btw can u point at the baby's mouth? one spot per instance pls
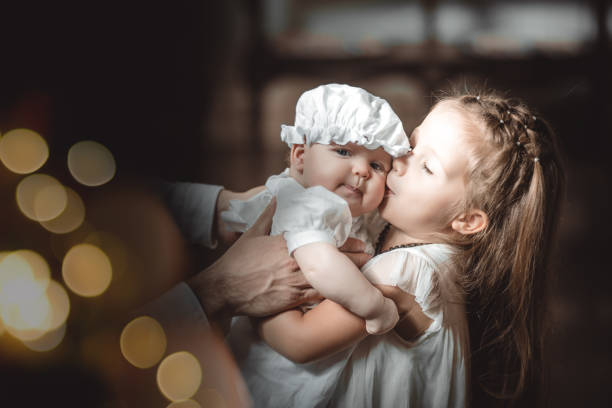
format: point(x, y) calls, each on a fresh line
point(352, 189)
point(388, 191)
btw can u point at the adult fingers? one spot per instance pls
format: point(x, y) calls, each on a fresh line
point(264, 222)
point(310, 295)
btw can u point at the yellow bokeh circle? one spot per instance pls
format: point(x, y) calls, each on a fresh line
point(179, 376)
point(185, 404)
point(23, 151)
point(86, 270)
point(59, 303)
point(27, 320)
point(47, 341)
point(24, 277)
point(211, 398)
point(143, 342)
point(91, 163)
point(71, 218)
point(41, 197)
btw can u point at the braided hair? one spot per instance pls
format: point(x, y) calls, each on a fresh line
point(516, 177)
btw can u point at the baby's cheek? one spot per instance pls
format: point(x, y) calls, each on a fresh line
point(379, 190)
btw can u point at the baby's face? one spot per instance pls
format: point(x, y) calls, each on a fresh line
point(353, 172)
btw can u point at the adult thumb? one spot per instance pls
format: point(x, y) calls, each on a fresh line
point(264, 223)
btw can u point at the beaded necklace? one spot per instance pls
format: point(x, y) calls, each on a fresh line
point(381, 239)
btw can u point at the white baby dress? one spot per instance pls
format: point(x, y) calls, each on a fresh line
point(304, 215)
point(379, 371)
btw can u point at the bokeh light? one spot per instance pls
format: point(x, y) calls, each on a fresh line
point(185, 404)
point(179, 376)
point(38, 265)
point(23, 151)
point(41, 197)
point(143, 342)
point(24, 277)
point(90, 163)
point(87, 270)
point(31, 304)
point(211, 398)
point(23, 308)
point(47, 341)
point(59, 303)
point(27, 320)
point(71, 218)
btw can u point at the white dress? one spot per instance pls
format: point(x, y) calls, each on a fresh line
point(304, 215)
point(379, 371)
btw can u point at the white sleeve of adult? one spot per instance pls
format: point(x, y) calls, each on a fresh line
point(193, 207)
point(177, 309)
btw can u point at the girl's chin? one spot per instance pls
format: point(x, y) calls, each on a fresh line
point(381, 209)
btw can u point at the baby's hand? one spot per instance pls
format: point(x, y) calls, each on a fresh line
point(385, 320)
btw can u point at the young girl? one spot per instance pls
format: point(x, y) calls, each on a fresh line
point(341, 149)
point(471, 211)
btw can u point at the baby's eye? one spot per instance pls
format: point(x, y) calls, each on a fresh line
point(343, 152)
point(378, 167)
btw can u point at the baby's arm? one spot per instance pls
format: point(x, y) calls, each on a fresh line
point(335, 277)
point(329, 327)
point(322, 331)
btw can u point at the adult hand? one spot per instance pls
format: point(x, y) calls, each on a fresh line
point(255, 277)
point(353, 248)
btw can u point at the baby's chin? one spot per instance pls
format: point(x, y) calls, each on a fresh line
point(356, 210)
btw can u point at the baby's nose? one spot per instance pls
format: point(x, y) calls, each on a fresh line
point(361, 168)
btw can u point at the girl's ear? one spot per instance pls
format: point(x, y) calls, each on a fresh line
point(297, 157)
point(471, 222)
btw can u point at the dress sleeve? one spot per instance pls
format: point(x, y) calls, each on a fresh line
point(241, 215)
point(415, 273)
point(314, 215)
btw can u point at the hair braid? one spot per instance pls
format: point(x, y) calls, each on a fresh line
point(515, 177)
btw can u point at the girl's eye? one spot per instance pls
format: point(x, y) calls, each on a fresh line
point(343, 152)
point(426, 169)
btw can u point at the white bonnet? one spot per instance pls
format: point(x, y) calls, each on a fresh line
point(342, 114)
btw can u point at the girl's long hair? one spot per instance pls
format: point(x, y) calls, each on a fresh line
point(516, 177)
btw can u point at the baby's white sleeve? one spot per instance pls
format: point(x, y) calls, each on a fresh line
point(241, 215)
point(314, 215)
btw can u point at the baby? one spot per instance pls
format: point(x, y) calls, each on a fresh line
point(342, 145)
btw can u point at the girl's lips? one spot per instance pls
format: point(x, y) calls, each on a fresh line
point(388, 192)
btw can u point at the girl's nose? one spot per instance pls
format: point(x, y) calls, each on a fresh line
point(400, 164)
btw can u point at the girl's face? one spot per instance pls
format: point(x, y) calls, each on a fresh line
point(353, 172)
point(425, 186)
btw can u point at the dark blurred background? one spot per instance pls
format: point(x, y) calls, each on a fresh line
point(197, 90)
